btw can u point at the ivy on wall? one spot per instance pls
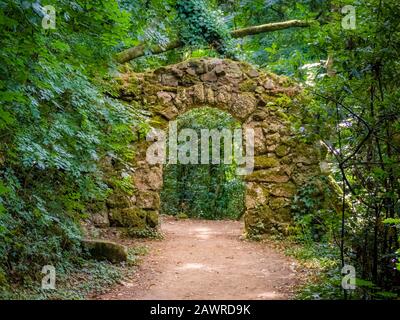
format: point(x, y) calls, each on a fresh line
point(201, 26)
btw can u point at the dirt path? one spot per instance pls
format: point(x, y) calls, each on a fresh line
point(200, 259)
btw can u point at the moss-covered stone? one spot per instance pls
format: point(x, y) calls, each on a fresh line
point(119, 200)
point(248, 85)
point(278, 202)
point(286, 190)
point(306, 160)
point(128, 217)
point(286, 160)
point(159, 121)
point(256, 195)
point(274, 128)
point(249, 69)
point(300, 178)
point(133, 87)
point(282, 115)
point(243, 105)
point(267, 221)
point(275, 175)
point(265, 162)
point(256, 223)
point(152, 218)
point(150, 89)
point(290, 141)
point(282, 150)
point(148, 200)
point(336, 196)
point(283, 214)
point(188, 79)
point(272, 138)
point(106, 250)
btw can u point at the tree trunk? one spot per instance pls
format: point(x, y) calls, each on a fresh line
point(269, 27)
point(140, 50)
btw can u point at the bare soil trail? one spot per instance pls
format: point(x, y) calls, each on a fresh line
point(202, 259)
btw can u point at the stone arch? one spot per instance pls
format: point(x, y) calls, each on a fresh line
point(259, 100)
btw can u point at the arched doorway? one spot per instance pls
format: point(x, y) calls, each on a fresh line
point(265, 103)
point(209, 188)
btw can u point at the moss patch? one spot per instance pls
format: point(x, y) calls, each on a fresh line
point(248, 85)
point(268, 175)
point(129, 217)
point(265, 162)
point(286, 190)
point(152, 218)
point(282, 150)
point(106, 250)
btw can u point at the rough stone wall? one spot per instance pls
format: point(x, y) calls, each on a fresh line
point(264, 102)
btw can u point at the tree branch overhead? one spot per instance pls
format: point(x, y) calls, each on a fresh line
point(140, 50)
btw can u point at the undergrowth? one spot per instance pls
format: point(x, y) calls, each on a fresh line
point(78, 281)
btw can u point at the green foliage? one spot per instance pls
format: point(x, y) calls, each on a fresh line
point(73, 282)
point(356, 115)
point(313, 221)
point(135, 254)
point(360, 106)
point(355, 112)
point(202, 26)
point(56, 125)
point(146, 233)
point(321, 259)
point(211, 191)
point(124, 184)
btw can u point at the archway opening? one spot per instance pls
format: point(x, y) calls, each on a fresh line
point(207, 190)
point(280, 160)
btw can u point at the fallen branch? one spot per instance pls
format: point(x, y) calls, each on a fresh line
point(269, 27)
point(140, 50)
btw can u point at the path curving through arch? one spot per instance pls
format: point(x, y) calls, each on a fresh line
point(203, 259)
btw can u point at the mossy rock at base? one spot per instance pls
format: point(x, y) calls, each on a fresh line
point(129, 217)
point(265, 220)
point(119, 201)
point(152, 219)
point(106, 250)
point(257, 220)
point(257, 226)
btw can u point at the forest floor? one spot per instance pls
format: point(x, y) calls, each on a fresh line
point(203, 259)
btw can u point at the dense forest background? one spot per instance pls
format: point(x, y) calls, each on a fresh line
point(58, 119)
point(211, 191)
